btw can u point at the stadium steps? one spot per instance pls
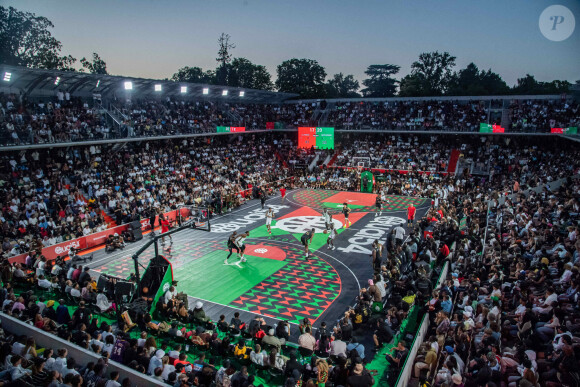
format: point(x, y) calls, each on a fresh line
point(453, 159)
point(337, 152)
point(506, 118)
point(108, 219)
point(280, 159)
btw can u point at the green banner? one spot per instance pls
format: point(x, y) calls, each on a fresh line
point(223, 129)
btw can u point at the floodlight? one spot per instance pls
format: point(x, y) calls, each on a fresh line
point(224, 92)
point(128, 85)
point(7, 76)
point(57, 81)
point(158, 87)
point(98, 83)
point(183, 89)
point(242, 93)
point(205, 91)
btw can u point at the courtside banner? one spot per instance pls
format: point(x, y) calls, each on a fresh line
point(570, 130)
point(488, 128)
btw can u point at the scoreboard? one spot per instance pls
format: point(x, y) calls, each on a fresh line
point(230, 129)
point(319, 138)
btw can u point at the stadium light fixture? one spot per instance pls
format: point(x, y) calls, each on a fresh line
point(242, 93)
point(183, 89)
point(7, 76)
point(57, 81)
point(128, 85)
point(205, 91)
point(158, 87)
point(98, 83)
point(224, 93)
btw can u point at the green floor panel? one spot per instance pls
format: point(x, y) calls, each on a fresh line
point(262, 231)
point(229, 281)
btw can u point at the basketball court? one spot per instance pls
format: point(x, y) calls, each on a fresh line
point(276, 282)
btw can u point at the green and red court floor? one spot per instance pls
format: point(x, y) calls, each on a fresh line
point(277, 282)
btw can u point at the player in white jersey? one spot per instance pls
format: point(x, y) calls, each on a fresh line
point(327, 218)
point(269, 216)
point(331, 236)
point(240, 243)
point(384, 201)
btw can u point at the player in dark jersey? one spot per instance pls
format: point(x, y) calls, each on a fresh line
point(379, 205)
point(263, 197)
point(306, 239)
point(232, 246)
point(346, 212)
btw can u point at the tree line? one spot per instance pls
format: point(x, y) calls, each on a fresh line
point(26, 40)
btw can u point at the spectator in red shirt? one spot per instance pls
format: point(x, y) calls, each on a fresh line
point(411, 215)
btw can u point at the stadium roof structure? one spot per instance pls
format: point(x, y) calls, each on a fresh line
point(42, 82)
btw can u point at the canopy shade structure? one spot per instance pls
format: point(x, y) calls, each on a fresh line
point(42, 82)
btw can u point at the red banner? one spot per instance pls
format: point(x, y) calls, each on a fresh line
point(90, 241)
point(497, 129)
point(270, 125)
point(234, 129)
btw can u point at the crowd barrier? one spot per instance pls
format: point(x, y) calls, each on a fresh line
point(400, 171)
point(81, 355)
point(99, 238)
point(90, 241)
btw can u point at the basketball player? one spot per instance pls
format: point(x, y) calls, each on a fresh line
point(327, 218)
point(263, 197)
point(240, 243)
point(152, 216)
point(411, 215)
point(331, 236)
point(306, 239)
point(346, 212)
point(283, 193)
point(269, 216)
point(379, 205)
point(232, 246)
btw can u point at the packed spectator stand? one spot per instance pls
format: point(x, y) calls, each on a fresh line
point(528, 256)
point(70, 119)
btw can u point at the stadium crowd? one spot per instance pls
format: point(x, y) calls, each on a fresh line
point(67, 118)
point(528, 264)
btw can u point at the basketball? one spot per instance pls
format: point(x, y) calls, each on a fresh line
point(325, 231)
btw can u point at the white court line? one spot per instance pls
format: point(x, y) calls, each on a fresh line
point(242, 310)
point(130, 252)
point(253, 205)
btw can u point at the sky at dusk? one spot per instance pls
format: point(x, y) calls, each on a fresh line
point(154, 38)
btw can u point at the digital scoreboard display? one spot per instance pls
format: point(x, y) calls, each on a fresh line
point(230, 129)
point(317, 138)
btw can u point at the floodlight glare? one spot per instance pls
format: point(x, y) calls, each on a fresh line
point(183, 89)
point(157, 87)
point(7, 77)
point(57, 81)
point(242, 93)
point(205, 91)
point(128, 85)
point(224, 93)
point(98, 83)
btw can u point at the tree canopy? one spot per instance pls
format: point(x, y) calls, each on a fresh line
point(380, 82)
point(26, 40)
point(96, 66)
point(243, 73)
point(471, 81)
point(302, 76)
point(194, 75)
point(341, 86)
point(432, 73)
